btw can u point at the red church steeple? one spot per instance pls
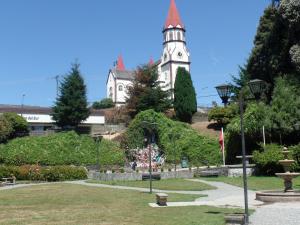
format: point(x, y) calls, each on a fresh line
point(173, 18)
point(120, 63)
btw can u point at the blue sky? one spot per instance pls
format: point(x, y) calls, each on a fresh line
point(40, 39)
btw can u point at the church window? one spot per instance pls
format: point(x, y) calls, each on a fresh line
point(165, 37)
point(120, 88)
point(110, 92)
point(179, 35)
point(165, 56)
point(166, 76)
point(171, 36)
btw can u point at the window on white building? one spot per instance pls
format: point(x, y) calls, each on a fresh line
point(166, 76)
point(171, 36)
point(120, 88)
point(179, 35)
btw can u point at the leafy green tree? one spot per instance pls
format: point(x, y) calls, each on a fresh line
point(18, 123)
point(222, 115)
point(270, 55)
point(71, 105)
point(104, 104)
point(5, 129)
point(285, 106)
point(185, 102)
point(146, 92)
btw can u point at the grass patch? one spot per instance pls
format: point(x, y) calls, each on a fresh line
point(256, 183)
point(168, 184)
point(65, 204)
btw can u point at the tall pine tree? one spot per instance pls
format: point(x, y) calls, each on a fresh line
point(185, 102)
point(71, 105)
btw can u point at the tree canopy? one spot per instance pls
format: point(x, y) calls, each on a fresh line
point(146, 92)
point(71, 107)
point(185, 102)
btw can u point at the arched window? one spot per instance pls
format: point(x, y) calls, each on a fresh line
point(171, 36)
point(179, 35)
point(120, 88)
point(110, 93)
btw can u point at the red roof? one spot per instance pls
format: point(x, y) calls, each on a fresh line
point(120, 64)
point(151, 62)
point(173, 18)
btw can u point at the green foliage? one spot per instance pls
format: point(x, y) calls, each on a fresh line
point(285, 106)
point(146, 92)
point(270, 55)
point(185, 102)
point(200, 150)
point(38, 173)
point(110, 154)
point(5, 129)
point(59, 149)
point(255, 117)
point(18, 123)
point(104, 104)
point(296, 156)
point(267, 160)
point(222, 115)
point(71, 106)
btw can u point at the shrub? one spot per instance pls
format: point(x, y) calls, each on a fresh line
point(105, 103)
point(198, 149)
point(267, 160)
point(5, 129)
point(59, 149)
point(38, 173)
point(222, 115)
point(295, 150)
point(18, 123)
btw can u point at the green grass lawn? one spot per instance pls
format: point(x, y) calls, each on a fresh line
point(65, 204)
point(169, 184)
point(256, 183)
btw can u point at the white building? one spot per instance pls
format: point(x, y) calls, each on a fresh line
point(175, 54)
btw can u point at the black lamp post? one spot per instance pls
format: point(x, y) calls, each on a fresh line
point(224, 91)
point(149, 128)
point(98, 138)
point(256, 87)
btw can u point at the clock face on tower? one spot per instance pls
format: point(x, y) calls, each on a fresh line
point(179, 54)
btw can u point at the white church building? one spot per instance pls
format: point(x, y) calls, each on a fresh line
point(175, 54)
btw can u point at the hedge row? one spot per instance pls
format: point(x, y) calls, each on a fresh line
point(38, 173)
point(66, 148)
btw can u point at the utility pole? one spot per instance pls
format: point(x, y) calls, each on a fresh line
point(57, 83)
point(22, 104)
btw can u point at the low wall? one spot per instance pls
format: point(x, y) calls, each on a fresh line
point(186, 174)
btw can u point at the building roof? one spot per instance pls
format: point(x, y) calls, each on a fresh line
point(173, 18)
point(37, 110)
point(120, 63)
point(123, 74)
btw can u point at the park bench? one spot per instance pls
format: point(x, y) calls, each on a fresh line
point(161, 199)
point(9, 180)
point(155, 176)
point(209, 173)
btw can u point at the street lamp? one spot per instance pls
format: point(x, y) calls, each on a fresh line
point(149, 128)
point(224, 91)
point(256, 87)
point(98, 138)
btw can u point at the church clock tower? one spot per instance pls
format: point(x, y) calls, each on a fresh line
point(175, 53)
